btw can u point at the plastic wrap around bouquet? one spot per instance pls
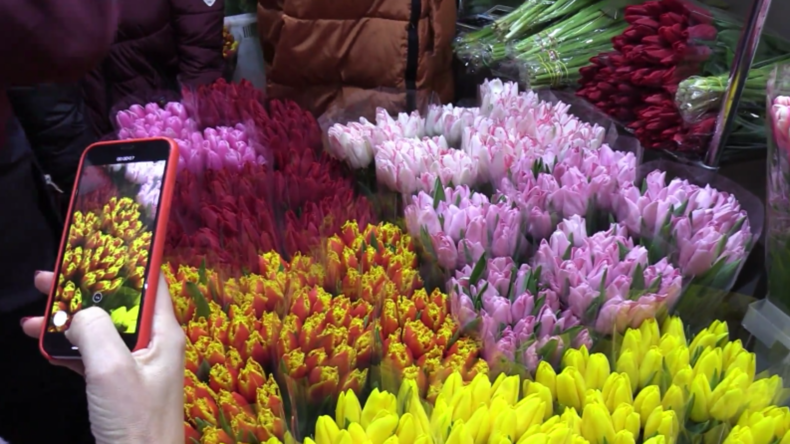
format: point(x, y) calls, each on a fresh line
point(478, 308)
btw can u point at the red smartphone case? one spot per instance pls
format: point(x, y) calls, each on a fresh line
point(157, 249)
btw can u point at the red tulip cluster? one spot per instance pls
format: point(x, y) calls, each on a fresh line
point(228, 218)
point(636, 83)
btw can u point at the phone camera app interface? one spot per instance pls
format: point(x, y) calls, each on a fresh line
point(106, 252)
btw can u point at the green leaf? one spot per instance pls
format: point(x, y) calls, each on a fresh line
point(538, 305)
point(203, 370)
point(471, 327)
point(513, 275)
point(438, 193)
point(687, 410)
point(622, 250)
point(697, 428)
point(202, 309)
point(638, 279)
point(549, 348)
point(477, 272)
point(374, 242)
point(425, 238)
point(738, 225)
point(202, 278)
point(644, 187)
point(567, 254)
point(595, 306)
point(201, 424)
point(679, 211)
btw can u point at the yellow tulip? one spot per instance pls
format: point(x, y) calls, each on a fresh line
point(572, 419)
point(391, 440)
point(505, 425)
point(646, 401)
point(536, 388)
point(407, 430)
point(597, 425)
point(345, 438)
point(669, 343)
point(507, 388)
point(763, 428)
point(782, 415)
point(441, 418)
point(626, 418)
point(326, 430)
point(744, 361)
point(451, 385)
point(529, 412)
point(407, 392)
point(739, 435)
point(624, 437)
point(576, 358)
point(727, 398)
point(650, 333)
point(559, 434)
point(382, 427)
point(460, 434)
point(417, 411)
point(700, 390)
point(673, 326)
point(479, 425)
point(617, 390)
point(656, 440)
point(664, 423)
point(570, 388)
point(632, 341)
point(719, 327)
point(308, 441)
point(629, 364)
point(423, 439)
point(481, 390)
point(785, 439)
point(593, 397)
point(548, 425)
point(763, 392)
point(676, 359)
point(683, 377)
point(578, 439)
point(651, 368)
point(710, 364)
point(597, 371)
point(537, 438)
point(378, 401)
point(495, 410)
point(357, 433)
point(462, 404)
point(532, 431)
point(674, 399)
point(546, 376)
point(348, 409)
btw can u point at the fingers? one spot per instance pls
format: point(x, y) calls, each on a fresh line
point(166, 329)
point(43, 281)
point(102, 349)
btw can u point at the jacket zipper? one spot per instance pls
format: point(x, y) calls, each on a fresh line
point(412, 55)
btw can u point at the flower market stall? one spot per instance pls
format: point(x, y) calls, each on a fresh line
point(511, 272)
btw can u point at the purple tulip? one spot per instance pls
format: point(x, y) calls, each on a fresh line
point(446, 253)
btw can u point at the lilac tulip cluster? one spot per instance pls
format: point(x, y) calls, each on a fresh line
point(710, 231)
point(517, 321)
point(212, 148)
point(149, 176)
point(461, 226)
point(605, 279)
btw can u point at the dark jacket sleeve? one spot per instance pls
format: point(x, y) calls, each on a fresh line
point(53, 118)
point(198, 29)
point(53, 40)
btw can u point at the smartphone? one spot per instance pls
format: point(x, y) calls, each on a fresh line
point(111, 249)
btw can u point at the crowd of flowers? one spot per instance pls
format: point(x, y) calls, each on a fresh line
point(521, 240)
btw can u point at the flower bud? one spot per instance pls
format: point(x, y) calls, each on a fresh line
point(646, 401)
point(597, 371)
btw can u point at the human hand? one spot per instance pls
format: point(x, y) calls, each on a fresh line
point(132, 397)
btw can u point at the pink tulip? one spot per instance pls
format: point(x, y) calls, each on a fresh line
point(498, 308)
point(447, 255)
point(522, 306)
point(580, 298)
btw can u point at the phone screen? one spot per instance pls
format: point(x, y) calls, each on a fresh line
point(106, 254)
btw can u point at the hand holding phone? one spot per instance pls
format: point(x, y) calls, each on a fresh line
point(112, 244)
point(132, 396)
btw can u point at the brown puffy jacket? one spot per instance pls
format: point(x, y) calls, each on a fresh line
point(318, 52)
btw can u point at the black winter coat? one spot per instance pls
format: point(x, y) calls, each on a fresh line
point(46, 140)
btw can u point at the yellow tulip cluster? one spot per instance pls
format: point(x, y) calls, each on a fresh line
point(660, 388)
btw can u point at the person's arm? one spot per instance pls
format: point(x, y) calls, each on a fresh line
point(198, 29)
point(53, 117)
point(53, 40)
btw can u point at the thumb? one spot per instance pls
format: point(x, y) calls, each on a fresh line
point(102, 349)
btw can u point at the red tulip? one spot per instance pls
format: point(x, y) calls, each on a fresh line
point(190, 434)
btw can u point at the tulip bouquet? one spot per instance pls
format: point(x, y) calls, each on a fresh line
point(212, 148)
point(778, 196)
point(656, 390)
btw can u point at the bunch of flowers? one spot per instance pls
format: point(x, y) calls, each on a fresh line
point(106, 253)
point(460, 226)
point(709, 228)
point(229, 44)
point(657, 390)
point(224, 104)
point(636, 83)
point(778, 195)
point(212, 148)
point(228, 395)
point(606, 278)
point(285, 128)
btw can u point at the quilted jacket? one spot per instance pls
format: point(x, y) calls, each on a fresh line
point(320, 52)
